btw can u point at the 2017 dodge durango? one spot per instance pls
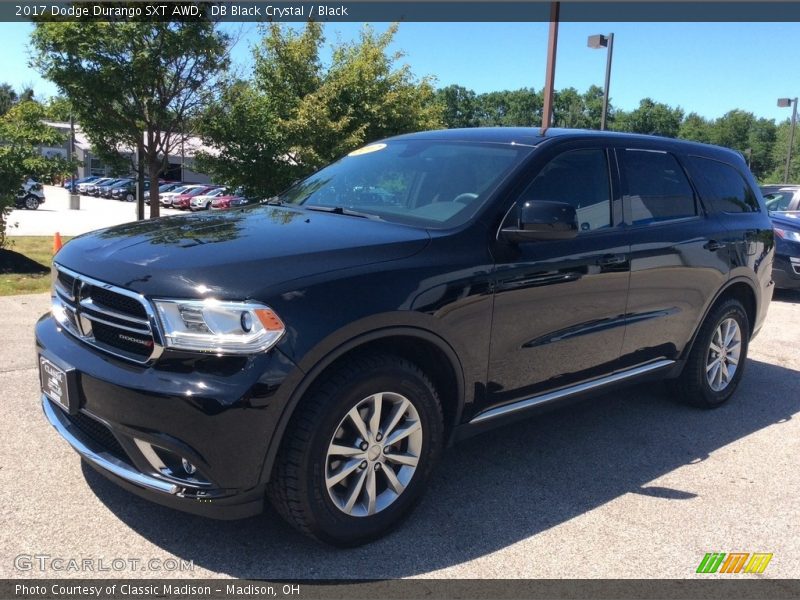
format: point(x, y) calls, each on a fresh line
point(322, 348)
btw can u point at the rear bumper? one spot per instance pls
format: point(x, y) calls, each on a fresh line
point(134, 424)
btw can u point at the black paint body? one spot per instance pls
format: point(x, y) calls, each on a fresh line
point(509, 320)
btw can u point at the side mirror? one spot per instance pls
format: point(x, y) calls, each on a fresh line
point(539, 221)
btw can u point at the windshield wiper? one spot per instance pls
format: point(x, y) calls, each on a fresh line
point(274, 201)
point(340, 210)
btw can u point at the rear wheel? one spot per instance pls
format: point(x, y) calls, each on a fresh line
point(356, 456)
point(31, 202)
point(129, 197)
point(716, 362)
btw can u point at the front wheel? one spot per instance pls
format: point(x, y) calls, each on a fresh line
point(31, 202)
point(356, 456)
point(716, 362)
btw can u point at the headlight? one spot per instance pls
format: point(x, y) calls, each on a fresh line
point(787, 234)
point(218, 326)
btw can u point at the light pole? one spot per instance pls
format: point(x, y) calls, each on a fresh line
point(602, 41)
point(784, 103)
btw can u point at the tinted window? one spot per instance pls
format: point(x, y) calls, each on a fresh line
point(723, 186)
point(579, 178)
point(657, 187)
point(419, 182)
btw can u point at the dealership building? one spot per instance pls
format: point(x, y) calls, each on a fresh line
point(181, 165)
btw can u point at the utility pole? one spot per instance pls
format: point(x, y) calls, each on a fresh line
point(550, 73)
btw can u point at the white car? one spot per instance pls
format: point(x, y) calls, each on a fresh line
point(166, 198)
point(203, 202)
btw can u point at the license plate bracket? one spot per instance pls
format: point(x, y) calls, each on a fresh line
point(59, 383)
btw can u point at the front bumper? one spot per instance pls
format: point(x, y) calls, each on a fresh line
point(786, 271)
point(134, 423)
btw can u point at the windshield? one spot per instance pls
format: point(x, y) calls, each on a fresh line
point(417, 182)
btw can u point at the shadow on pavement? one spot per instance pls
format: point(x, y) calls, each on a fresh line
point(491, 491)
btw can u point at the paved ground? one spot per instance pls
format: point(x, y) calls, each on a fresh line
point(627, 485)
point(55, 215)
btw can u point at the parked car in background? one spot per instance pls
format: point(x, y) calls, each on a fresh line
point(30, 195)
point(99, 190)
point(478, 276)
point(108, 191)
point(783, 203)
point(182, 201)
point(786, 269)
point(88, 188)
point(166, 198)
point(203, 201)
point(91, 178)
point(781, 198)
point(227, 202)
point(127, 192)
point(165, 187)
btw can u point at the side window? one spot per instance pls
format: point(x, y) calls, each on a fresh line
point(657, 188)
point(579, 178)
point(723, 186)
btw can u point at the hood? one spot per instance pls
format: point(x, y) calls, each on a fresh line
point(241, 254)
point(785, 220)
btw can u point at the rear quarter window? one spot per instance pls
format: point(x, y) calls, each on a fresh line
point(722, 186)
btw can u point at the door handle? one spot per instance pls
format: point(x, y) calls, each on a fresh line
point(609, 260)
point(713, 245)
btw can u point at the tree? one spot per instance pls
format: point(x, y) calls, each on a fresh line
point(303, 114)
point(8, 98)
point(21, 133)
point(510, 108)
point(695, 128)
point(652, 118)
point(460, 106)
point(134, 86)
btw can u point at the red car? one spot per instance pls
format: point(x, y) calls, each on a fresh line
point(182, 201)
point(225, 202)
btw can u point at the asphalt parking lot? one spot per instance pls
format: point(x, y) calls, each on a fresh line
point(55, 215)
point(629, 485)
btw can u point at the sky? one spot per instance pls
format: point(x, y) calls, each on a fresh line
point(708, 68)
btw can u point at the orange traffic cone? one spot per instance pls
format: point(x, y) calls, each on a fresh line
point(57, 242)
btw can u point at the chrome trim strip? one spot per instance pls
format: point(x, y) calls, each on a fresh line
point(568, 391)
point(90, 304)
point(98, 458)
point(97, 319)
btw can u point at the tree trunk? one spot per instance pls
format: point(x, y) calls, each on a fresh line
point(154, 167)
point(140, 180)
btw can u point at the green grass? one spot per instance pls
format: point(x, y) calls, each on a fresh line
point(25, 265)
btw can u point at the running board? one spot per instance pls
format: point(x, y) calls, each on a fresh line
point(568, 391)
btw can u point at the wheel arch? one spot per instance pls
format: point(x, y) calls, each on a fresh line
point(426, 349)
point(739, 288)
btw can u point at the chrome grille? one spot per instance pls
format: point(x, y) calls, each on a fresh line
point(112, 319)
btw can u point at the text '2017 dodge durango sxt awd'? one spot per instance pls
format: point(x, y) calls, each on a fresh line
point(320, 349)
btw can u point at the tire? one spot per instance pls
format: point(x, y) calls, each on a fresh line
point(129, 197)
point(31, 202)
point(307, 457)
point(700, 383)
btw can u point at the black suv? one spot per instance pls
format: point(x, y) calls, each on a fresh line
point(320, 349)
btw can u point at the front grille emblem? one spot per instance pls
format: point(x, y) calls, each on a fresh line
point(82, 292)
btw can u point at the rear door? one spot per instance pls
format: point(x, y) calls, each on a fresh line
point(679, 255)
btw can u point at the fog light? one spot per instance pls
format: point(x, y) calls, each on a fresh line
point(188, 467)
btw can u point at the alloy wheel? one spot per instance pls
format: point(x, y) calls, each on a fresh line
point(373, 454)
point(723, 354)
